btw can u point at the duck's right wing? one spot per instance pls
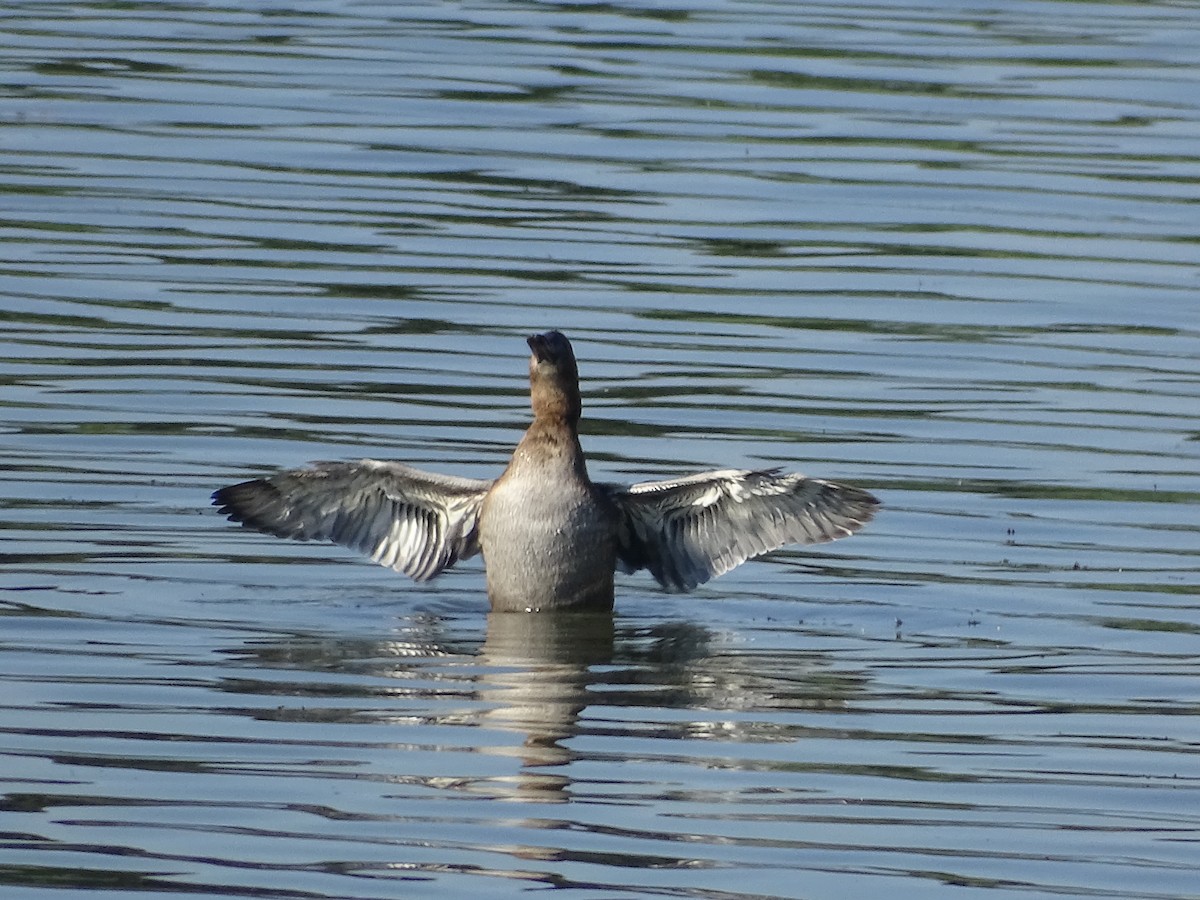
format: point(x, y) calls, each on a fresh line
point(412, 521)
point(689, 530)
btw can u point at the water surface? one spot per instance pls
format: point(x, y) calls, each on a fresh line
point(945, 252)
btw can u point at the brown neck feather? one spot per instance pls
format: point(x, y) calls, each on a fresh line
point(554, 394)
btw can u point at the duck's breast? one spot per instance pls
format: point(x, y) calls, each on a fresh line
point(548, 544)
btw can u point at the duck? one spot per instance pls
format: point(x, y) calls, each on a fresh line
point(551, 538)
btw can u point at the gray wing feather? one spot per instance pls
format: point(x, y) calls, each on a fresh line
point(412, 521)
point(689, 530)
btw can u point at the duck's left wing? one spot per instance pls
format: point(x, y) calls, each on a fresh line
point(410, 520)
point(689, 530)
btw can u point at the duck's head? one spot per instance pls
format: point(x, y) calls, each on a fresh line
point(553, 377)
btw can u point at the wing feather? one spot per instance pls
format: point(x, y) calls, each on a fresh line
point(688, 530)
point(409, 520)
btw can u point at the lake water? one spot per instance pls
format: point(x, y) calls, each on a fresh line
point(949, 252)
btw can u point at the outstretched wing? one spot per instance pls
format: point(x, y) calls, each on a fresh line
point(689, 530)
point(412, 521)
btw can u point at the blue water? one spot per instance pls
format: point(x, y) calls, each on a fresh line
point(943, 252)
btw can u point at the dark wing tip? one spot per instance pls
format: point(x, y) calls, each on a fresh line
point(253, 504)
point(227, 500)
point(855, 502)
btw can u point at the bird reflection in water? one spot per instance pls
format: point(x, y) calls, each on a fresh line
point(535, 677)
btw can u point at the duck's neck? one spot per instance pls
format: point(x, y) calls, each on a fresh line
point(554, 401)
point(550, 448)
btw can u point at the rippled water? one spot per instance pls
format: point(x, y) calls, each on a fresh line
point(945, 252)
